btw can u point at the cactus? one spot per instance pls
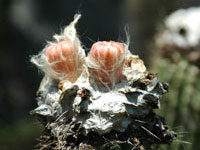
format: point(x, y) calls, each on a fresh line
point(106, 101)
point(181, 106)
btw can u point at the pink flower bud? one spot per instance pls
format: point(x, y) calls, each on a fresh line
point(62, 57)
point(106, 59)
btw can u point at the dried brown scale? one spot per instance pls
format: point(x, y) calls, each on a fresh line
point(156, 132)
point(151, 122)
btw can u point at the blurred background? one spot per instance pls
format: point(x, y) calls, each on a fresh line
point(26, 25)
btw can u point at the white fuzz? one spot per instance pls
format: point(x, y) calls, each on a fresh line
point(181, 29)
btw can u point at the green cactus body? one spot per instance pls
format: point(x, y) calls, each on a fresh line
point(181, 106)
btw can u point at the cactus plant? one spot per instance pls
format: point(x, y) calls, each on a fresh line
point(79, 112)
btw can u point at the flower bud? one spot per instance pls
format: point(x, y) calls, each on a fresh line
point(64, 58)
point(106, 60)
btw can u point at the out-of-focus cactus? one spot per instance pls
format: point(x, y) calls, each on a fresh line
point(179, 45)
